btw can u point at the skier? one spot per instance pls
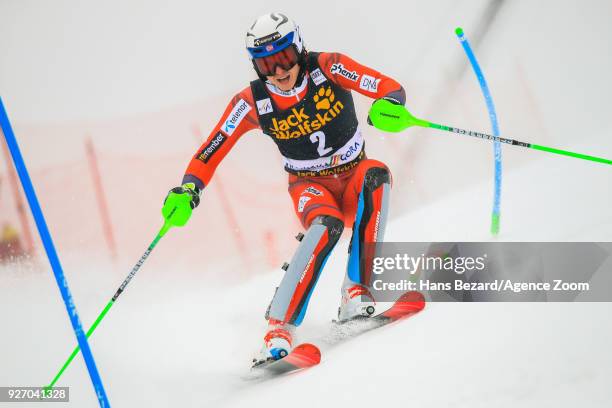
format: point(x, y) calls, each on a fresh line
point(303, 101)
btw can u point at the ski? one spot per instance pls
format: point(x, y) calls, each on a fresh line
point(302, 356)
point(405, 306)
point(306, 355)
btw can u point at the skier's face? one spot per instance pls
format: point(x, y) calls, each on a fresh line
point(285, 79)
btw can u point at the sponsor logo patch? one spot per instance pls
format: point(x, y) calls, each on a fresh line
point(312, 257)
point(324, 98)
point(297, 123)
point(235, 116)
point(317, 77)
point(352, 151)
point(211, 147)
point(369, 83)
point(267, 39)
point(376, 226)
point(302, 203)
point(332, 166)
point(264, 106)
point(313, 191)
point(329, 171)
point(338, 69)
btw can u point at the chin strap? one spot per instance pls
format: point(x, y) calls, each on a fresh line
point(302, 64)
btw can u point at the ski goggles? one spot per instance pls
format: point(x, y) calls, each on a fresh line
point(285, 58)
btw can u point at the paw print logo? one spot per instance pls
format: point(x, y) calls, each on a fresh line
point(324, 98)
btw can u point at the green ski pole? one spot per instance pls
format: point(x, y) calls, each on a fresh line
point(395, 118)
point(176, 217)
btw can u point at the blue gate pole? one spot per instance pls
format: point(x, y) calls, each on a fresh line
point(45, 236)
point(497, 154)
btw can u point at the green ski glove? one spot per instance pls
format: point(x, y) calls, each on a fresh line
point(386, 98)
point(179, 204)
point(392, 117)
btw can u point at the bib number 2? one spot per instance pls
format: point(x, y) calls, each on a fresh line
point(319, 137)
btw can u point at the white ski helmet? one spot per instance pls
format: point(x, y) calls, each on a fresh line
point(272, 33)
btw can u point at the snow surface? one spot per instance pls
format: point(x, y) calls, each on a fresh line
point(186, 328)
point(175, 342)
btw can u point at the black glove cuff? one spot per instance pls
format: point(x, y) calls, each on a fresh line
point(194, 194)
point(195, 201)
point(392, 100)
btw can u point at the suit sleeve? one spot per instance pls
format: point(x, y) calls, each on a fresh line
point(238, 118)
point(350, 74)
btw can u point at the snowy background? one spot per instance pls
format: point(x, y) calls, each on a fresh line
point(146, 80)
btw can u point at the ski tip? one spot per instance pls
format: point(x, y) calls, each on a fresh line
point(459, 31)
point(407, 304)
point(414, 297)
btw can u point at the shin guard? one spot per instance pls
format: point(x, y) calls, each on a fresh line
point(291, 298)
point(369, 226)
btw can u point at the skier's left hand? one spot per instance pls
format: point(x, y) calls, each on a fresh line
point(386, 98)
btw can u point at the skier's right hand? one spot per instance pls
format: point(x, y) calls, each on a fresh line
point(179, 204)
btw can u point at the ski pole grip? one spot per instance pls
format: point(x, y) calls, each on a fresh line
point(165, 228)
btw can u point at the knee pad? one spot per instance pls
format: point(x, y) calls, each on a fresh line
point(375, 177)
point(334, 226)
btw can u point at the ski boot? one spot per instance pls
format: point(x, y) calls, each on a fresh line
point(278, 341)
point(356, 302)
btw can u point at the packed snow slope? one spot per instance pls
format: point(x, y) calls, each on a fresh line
point(180, 339)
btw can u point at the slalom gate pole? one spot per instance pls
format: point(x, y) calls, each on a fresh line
point(105, 218)
point(396, 118)
point(497, 153)
point(21, 211)
point(56, 266)
point(127, 280)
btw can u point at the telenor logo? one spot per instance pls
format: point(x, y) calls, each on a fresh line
point(235, 117)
